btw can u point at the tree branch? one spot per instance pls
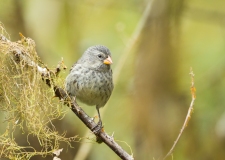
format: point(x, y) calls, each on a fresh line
point(89, 122)
point(22, 54)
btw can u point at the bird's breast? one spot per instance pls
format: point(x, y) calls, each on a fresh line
point(93, 87)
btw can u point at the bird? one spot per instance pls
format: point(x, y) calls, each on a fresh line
point(91, 79)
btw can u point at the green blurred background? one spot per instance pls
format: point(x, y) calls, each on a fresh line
point(152, 89)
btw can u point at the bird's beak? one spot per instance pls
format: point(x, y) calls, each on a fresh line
point(108, 60)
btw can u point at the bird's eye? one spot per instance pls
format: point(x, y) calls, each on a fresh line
point(99, 56)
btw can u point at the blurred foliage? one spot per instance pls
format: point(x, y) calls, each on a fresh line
point(151, 98)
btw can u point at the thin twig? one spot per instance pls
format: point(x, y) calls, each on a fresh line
point(188, 117)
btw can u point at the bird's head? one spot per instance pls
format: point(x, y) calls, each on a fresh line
point(97, 57)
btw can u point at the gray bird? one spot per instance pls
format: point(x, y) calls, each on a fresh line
point(90, 79)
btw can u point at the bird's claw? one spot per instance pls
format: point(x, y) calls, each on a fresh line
point(98, 128)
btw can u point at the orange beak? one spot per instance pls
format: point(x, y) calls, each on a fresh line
point(108, 60)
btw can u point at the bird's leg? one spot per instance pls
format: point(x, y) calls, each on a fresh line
point(98, 127)
point(99, 116)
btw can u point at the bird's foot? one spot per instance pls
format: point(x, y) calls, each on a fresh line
point(98, 128)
